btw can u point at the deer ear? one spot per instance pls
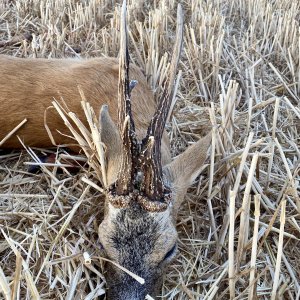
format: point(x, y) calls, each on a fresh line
point(184, 169)
point(110, 136)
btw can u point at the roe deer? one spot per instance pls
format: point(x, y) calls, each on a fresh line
point(142, 197)
point(144, 188)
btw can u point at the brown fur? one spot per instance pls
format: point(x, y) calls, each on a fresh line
point(28, 86)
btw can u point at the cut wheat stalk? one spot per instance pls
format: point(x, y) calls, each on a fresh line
point(4, 284)
point(231, 256)
point(28, 277)
point(12, 132)
point(279, 251)
point(254, 248)
point(244, 216)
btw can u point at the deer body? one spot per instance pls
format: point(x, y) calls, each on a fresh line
point(28, 87)
point(144, 189)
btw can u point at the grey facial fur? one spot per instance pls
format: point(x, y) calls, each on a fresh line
point(137, 240)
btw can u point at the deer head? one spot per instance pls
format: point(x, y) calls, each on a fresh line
point(142, 196)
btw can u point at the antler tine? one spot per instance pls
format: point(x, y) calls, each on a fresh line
point(126, 124)
point(151, 152)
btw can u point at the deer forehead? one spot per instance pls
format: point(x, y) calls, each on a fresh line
point(142, 235)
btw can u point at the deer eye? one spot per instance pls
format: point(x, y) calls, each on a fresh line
point(171, 252)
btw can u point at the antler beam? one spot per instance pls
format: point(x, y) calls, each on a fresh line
point(126, 123)
point(150, 161)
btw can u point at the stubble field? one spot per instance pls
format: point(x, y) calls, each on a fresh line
point(239, 74)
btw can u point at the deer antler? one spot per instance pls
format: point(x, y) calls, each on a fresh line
point(148, 189)
point(126, 123)
point(150, 158)
point(124, 183)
